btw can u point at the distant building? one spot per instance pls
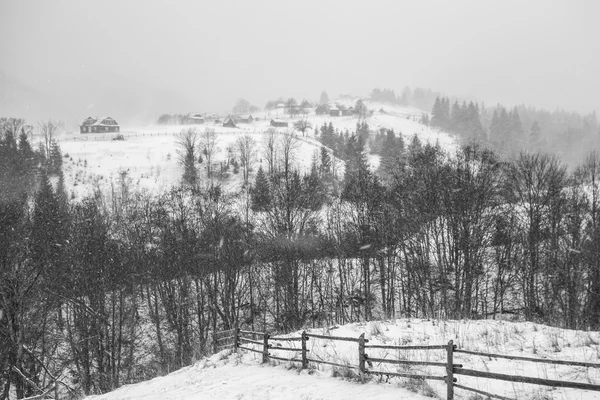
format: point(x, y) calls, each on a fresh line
point(244, 119)
point(99, 125)
point(279, 123)
point(335, 112)
point(229, 122)
point(348, 111)
point(196, 118)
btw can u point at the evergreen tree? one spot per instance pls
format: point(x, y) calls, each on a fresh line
point(392, 156)
point(325, 166)
point(475, 128)
point(535, 136)
point(361, 109)
point(26, 152)
point(187, 151)
point(49, 234)
point(261, 196)
point(54, 165)
point(324, 98)
point(517, 139)
point(436, 113)
point(440, 114)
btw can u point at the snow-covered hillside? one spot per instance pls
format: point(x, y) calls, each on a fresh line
point(147, 158)
point(232, 376)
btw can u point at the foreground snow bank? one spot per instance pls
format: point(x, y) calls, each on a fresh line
point(241, 376)
point(234, 376)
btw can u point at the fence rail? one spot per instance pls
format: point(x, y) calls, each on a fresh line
point(537, 360)
point(239, 337)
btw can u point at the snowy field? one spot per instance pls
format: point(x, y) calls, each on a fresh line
point(147, 159)
point(241, 376)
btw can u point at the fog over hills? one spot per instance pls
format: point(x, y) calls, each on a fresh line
point(73, 98)
point(133, 59)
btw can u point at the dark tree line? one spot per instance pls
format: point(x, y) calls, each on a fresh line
point(111, 290)
point(418, 97)
point(510, 131)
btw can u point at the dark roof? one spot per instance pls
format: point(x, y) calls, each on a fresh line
point(99, 121)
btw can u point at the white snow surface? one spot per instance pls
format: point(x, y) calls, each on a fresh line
point(230, 376)
point(241, 376)
point(147, 159)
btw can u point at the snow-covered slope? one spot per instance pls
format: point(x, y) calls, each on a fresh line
point(147, 158)
point(231, 376)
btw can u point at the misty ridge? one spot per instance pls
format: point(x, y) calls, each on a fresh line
point(165, 176)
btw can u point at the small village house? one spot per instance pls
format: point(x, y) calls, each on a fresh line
point(196, 118)
point(230, 123)
point(335, 112)
point(348, 111)
point(99, 125)
point(244, 119)
point(279, 123)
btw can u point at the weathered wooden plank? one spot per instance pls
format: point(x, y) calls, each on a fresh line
point(532, 359)
point(284, 339)
point(224, 332)
point(527, 379)
point(339, 338)
point(450, 371)
point(243, 339)
point(381, 346)
point(407, 362)
point(287, 348)
point(224, 338)
point(481, 392)
point(284, 359)
point(252, 333)
point(403, 375)
point(250, 349)
point(332, 363)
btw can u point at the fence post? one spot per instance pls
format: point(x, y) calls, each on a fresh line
point(304, 357)
point(213, 335)
point(265, 355)
point(450, 371)
point(361, 356)
point(236, 339)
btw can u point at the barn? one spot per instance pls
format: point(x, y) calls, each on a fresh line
point(229, 122)
point(279, 123)
point(99, 125)
point(244, 119)
point(196, 118)
point(348, 111)
point(335, 112)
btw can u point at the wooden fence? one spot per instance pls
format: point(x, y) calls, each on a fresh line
point(50, 393)
point(263, 342)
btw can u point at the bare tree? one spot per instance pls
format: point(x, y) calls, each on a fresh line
point(245, 147)
point(187, 149)
point(209, 145)
point(288, 145)
point(12, 126)
point(270, 149)
point(48, 130)
point(534, 182)
point(302, 125)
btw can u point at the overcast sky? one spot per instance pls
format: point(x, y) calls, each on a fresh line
point(544, 53)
